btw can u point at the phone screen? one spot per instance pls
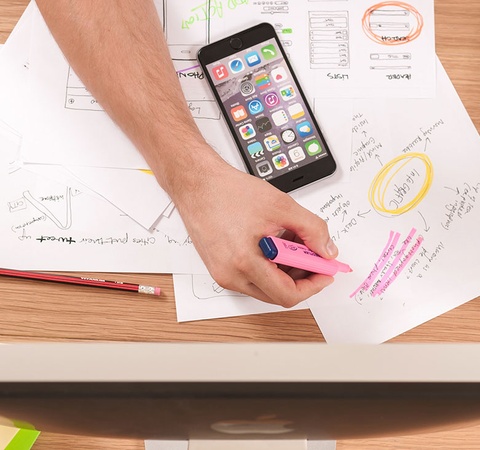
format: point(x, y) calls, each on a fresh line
point(267, 112)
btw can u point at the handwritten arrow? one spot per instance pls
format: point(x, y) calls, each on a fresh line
point(426, 227)
point(362, 215)
point(344, 215)
point(456, 190)
point(427, 141)
point(378, 158)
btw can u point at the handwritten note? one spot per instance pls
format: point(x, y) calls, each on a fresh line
point(407, 223)
point(47, 224)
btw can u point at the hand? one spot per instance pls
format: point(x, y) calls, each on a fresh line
point(227, 212)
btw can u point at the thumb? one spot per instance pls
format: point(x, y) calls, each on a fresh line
point(310, 229)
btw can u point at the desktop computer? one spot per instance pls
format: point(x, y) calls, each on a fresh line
point(250, 392)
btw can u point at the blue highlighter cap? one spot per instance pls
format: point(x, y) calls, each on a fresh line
point(268, 248)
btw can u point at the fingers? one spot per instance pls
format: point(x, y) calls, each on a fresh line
point(311, 229)
point(270, 284)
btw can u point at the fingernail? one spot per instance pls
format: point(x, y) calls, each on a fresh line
point(331, 248)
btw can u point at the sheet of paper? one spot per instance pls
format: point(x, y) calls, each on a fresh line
point(14, 61)
point(76, 132)
point(407, 223)
point(60, 130)
point(341, 48)
point(48, 225)
point(199, 297)
point(134, 192)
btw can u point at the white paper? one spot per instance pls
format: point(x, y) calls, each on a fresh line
point(58, 133)
point(134, 192)
point(199, 297)
point(344, 48)
point(71, 129)
point(414, 244)
point(14, 61)
point(49, 225)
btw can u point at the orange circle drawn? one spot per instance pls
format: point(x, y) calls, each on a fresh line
point(414, 33)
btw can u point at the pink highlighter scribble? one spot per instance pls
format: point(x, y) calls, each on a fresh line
point(380, 264)
point(395, 267)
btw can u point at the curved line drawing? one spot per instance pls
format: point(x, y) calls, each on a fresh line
point(383, 180)
point(408, 30)
point(205, 288)
point(44, 210)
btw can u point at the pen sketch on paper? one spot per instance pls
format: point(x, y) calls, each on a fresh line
point(77, 96)
point(41, 206)
point(392, 23)
point(329, 33)
point(205, 288)
point(411, 210)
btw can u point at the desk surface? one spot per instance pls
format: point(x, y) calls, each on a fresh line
point(33, 311)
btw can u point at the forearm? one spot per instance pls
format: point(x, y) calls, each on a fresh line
point(118, 50)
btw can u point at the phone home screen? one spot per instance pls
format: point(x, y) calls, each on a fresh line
point(266, 111)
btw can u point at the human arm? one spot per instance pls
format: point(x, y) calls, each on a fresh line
point(118, 49)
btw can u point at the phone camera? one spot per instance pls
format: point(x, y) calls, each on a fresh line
point(236, 43)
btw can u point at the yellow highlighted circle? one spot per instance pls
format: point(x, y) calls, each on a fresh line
point(384, 179)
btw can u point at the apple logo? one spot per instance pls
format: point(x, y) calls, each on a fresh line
point(260, 425)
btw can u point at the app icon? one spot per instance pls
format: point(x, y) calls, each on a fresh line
point(304, 129)
point(255, 107)
point(239, 113)
point(296, 111)
point(236, 65)
point(288, 93)
point(264, 168)
point(262, 81)
point(263, 124)
point(271, 99)
point(272, 143)
point(296, 154)
point(280, 161)
point(255, 150)
point(252, 59)
point(246, 88)
point(280, 118)
point(269, 51)
point(247, 132)
point(313, 147)
point(279, 74)
point(288, 136)
point(220, 72)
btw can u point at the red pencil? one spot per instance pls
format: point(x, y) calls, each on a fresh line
point(84, 281)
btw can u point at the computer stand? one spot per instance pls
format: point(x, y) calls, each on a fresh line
point(241, 444)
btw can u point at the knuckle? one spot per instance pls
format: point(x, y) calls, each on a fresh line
point(222, 278)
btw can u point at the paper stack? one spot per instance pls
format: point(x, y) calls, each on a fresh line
point(78, 196)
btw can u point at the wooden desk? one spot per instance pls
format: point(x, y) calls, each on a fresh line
point(32, 311)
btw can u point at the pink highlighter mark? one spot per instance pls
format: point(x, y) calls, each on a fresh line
point(397, 268)
point(381, 286)
point(380, 264)
point(386, 270)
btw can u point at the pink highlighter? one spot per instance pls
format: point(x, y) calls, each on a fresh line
point(296, 255)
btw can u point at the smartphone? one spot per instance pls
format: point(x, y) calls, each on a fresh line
point(265, 108)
